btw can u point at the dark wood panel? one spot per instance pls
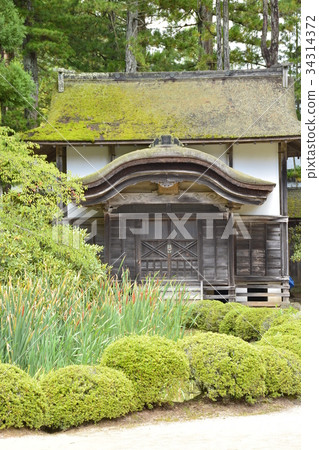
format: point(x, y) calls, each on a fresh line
point(262, 254)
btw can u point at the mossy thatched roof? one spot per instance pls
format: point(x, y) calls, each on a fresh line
point(107, 107)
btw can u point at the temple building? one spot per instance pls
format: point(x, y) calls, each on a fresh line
point(185, 174)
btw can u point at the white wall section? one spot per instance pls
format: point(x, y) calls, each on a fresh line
point(261, 161)
point(83, 161)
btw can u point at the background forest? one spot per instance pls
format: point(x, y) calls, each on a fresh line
point(37, 36)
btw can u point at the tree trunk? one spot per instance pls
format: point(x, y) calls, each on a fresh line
point(226, 35)
point(270, 55)
point(205, 15)
point(274, 32)
point(219, 36)
point(131, 35)
point(30, 64)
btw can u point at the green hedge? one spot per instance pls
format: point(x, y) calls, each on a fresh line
point(227, 325)
point(22, 403)
point(291, 328)
point(281, 316)
point(249, 322)
point(225, 366)
point(156, 366)
point(78, 394)
point(283, 341)
point(283, 372)
point(206, 315)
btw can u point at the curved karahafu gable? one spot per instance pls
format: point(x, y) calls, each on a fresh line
point(209, 105)
point(172, 164)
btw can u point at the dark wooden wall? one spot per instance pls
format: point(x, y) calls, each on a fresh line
point(259, 258)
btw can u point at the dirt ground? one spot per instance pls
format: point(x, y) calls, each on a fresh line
point(198, 424)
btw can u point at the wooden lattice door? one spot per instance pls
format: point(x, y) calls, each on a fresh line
point(169, 258)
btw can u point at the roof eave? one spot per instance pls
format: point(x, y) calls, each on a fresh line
point(183, 141)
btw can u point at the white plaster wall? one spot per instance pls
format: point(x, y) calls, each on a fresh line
point(82, 161)
point(123, 149)
point(261, 161)
point(219, 150)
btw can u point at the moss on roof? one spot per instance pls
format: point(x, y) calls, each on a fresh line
point(160, 151)
point(194, 108)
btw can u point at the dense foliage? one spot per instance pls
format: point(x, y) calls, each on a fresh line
point(225, 366)
point(79, 394)
point(44, 326)
point(249, 322)
point(157, 367)
point(282, 341)
point(22, 402)
point(32, 240)
point(295, 242)
point(206, 315)
point(283, 372)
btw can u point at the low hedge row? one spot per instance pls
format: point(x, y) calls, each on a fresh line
point(78, 394)
point(283, 342)
point(238, 320)
point(22, 402)
point(283, 371)
point(155, 364)
point(225, 366)
point(206, 315)
point(139, 371)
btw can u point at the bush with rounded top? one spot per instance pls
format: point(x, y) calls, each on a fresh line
point(78, 394)
point(282, 341)
point(247, 324)
point(279, 317)
point(207, 314)
point(292, 328)
point(22, 402)
point(227, 325)
point(225, 366)
point(156, 366)
point(283, 371)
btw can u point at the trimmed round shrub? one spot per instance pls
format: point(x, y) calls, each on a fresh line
point(225, 366)
point(22, 402)
point(156, 365)
point(227, 325)
point(291, 327)
point(282, 341)
point(248, 322)
point(279, 317)
point(78, 394)
point(283, 372)
point(207, 314)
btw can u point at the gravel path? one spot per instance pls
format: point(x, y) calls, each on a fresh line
point(275, 431)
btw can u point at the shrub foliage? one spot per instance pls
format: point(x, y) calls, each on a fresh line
point(227, 325)
point(156, 366)
point(284, 342)
point(22, 403)
point(225, 366)
point(283, 372)
point(249, 321)
point(207, 314)
point(78, 394)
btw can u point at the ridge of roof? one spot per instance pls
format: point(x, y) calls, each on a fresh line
point(70, 75)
